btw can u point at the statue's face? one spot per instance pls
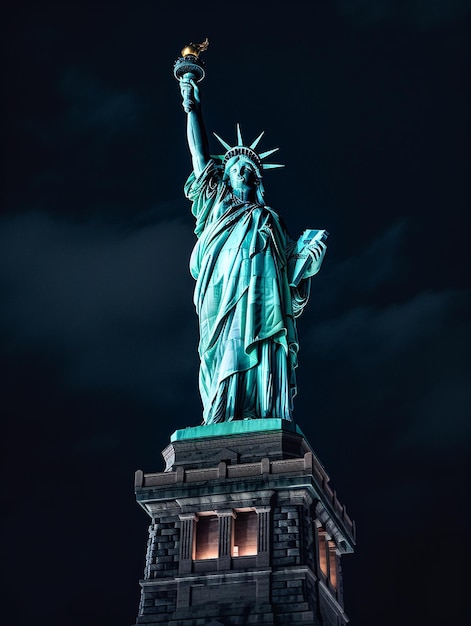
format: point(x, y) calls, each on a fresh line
point(241, 174)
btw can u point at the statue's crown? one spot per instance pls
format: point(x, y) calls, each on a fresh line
point(247, 151)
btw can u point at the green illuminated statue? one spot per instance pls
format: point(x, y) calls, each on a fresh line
point(252, 279)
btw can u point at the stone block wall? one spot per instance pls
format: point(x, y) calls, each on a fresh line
point(159, 589)
point(282, 583)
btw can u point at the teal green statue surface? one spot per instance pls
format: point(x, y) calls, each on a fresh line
point(252, 279)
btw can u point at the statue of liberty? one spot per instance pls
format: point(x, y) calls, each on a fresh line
point(252, 279)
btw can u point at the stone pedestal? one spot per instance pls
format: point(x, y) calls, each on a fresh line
point(244, 530)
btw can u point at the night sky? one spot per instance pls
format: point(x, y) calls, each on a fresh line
point(368, 101)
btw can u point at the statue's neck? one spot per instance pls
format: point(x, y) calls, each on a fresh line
point(245, 195)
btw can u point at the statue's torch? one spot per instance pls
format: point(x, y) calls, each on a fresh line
point(190, 67)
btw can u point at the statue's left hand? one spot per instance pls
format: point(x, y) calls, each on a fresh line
point(317, 251)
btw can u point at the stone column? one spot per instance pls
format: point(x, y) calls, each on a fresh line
point(187, 542)
point(225, 538)
point(263, 552)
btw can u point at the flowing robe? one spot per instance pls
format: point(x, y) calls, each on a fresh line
point(248, 341)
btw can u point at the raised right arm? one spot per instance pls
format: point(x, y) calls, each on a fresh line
point(196, 132)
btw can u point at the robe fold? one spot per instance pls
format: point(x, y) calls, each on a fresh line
point(248, 341)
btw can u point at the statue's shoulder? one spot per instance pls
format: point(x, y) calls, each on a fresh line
point(208, 180)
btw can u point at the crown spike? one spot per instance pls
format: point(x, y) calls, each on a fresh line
point(222, 142)
point(255, 143)
point(263, 155)
point(247, 151)
point(239, 136)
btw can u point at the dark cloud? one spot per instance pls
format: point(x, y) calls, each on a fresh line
point(415, 13)
point(393, 355)
point(365, 335)
point(376, 265)
point(93, 105)
point(112, 303)
point(404, 353)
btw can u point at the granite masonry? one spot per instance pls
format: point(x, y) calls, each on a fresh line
point(244, 530)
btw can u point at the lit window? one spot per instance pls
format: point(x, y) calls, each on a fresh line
point(207, 536)
point(332, 564)
point(327, 557)
point(245, 534)
point(322, 551)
